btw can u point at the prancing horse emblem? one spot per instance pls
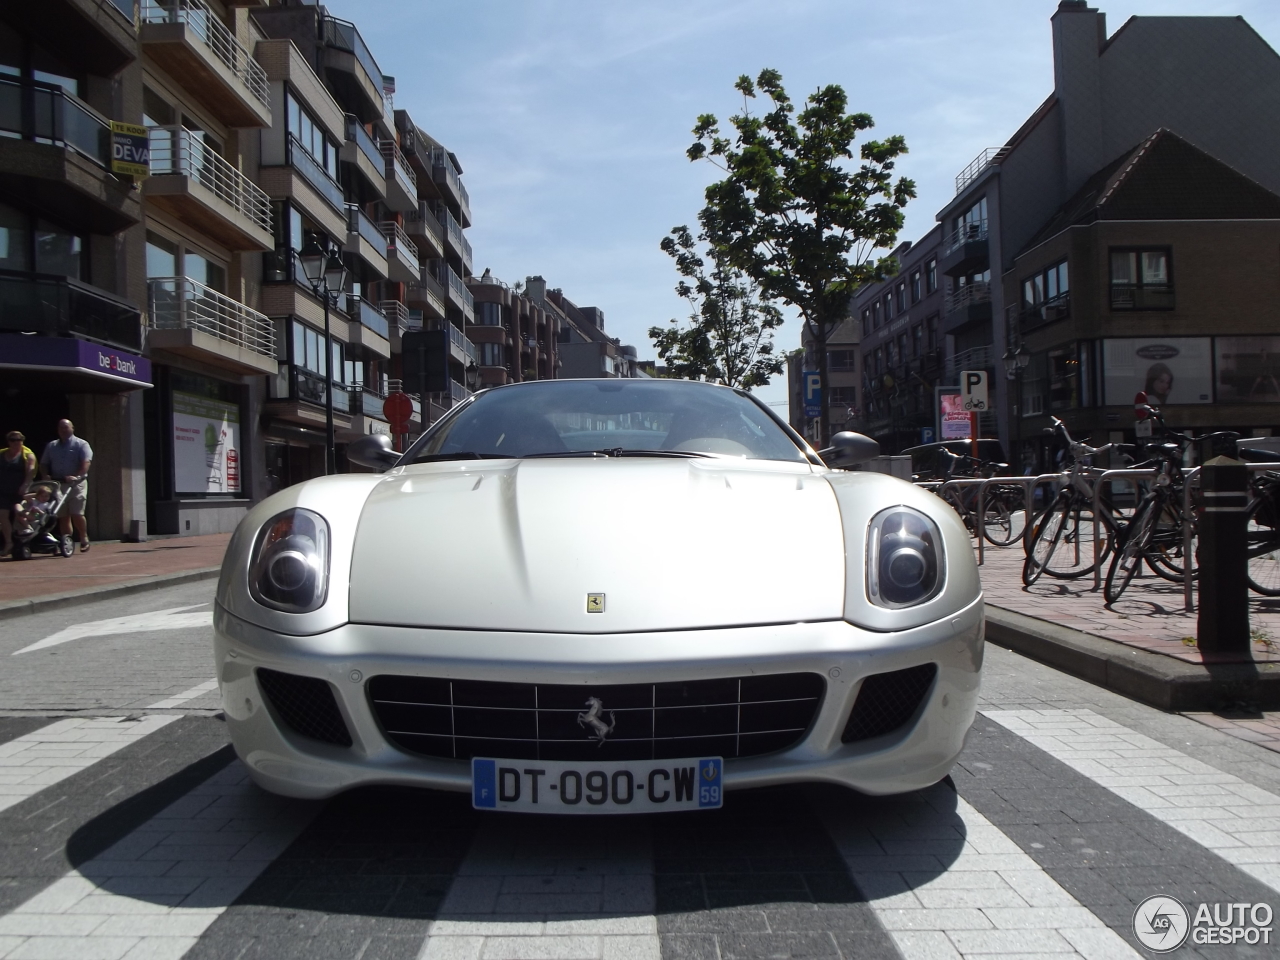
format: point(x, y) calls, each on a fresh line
point(592, 719)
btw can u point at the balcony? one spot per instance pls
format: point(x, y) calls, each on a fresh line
point(445, 174)
point(458, 294)
point(352, 70)
point(977, 358)
point(397, 314)
point(99, 38)
point(454, 395)
point(199, 187)
point(402, 255)
point(310, 387)
point(427, 295)
point(969, 305)
point(361, 152)
point(365, 239)
point(193, 320)
point(61, 306)
point(57, 157)
point(460, 346)
point(1032, 317)
point(1148, 296)
point(453, 234)
point(425, 230)
point(189, 41)
point(402, 182)
point(964, 250)
point(328, 206)
point(989, 156)
point(368, 327)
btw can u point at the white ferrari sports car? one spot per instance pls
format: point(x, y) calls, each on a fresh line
point(600, 596)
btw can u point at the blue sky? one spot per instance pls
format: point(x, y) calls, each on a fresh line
point(571, 117)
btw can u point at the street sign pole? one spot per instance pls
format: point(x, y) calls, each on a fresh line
point(973, 392)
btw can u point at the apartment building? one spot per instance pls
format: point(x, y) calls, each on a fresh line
point(1212, 81)
point(515, 331)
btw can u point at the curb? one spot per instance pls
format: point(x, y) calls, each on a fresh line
point(22, 608)
point(1151, 678)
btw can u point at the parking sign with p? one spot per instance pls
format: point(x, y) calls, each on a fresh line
point(973, 390)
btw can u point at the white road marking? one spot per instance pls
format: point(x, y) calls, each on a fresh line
point(199, 690)
point(1233, 818)
point(528, 889)
point(153, 893)
point(34, 761)
point(946, 884)
point(175, 618)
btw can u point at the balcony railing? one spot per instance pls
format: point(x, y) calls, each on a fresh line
point(398, 241)
point(359, 222)
point(58, 118)
point(976, 358)
point(457, 392)
point(358, 308)
point(459, 289)
point(397, 314)
point(178, 150)
point(397, 164)
point(966, 233)
point(311, 387)
point(1050, 311)
point(979, 163)
point(357, 134)
point(178, 303)
point(456, 337)
point(451, 226)
point(125, 7)
point(55, 306)
point(968, 295)
point(343, 35)
point(466, 253)
point(316, 175)
point(370, 401)
point(1149, 296)
point(213, 33)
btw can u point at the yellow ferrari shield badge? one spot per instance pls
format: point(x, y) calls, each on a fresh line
point(595, 603)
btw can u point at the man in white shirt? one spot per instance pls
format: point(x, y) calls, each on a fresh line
point(67, 460)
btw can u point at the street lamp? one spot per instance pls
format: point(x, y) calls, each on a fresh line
point(473, 376)
point(327, 275)
point(1015, 362)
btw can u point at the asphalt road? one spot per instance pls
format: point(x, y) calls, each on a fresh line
point(128, 829)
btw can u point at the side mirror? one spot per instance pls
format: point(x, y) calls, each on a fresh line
point(373, 451)
point(848, 449)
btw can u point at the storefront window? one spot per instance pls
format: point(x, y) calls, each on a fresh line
point(206, 436)
point(1064, 378)
point(58, 251)
point(15, 239)
point(162, 256)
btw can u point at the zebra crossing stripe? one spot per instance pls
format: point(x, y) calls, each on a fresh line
point(34, 761)
point(154, 892)
point(1235, 819)
point(948, 884)
point(199, 690)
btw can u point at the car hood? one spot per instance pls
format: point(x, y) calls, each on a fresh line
point(671, 545)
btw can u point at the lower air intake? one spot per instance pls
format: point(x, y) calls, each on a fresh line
point(306, 705)
point(888, 701)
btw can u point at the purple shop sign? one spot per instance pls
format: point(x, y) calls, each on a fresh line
point(65, 353)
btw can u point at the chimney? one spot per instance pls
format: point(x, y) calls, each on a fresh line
point(1079, 33)
point(535, 288)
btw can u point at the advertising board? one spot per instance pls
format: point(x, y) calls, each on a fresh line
point(1169, 370)
point(206, 453)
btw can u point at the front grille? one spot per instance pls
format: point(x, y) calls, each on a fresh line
point(306, 705)
point(735, 717)
point(887, 702)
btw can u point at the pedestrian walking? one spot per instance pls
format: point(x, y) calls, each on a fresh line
point(17, 470)
point(67, 461)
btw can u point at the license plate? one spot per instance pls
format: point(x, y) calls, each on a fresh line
point(620, 786)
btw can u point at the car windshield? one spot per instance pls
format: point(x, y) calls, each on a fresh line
point(585, 418)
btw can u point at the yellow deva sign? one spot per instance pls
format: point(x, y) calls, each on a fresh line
point(130, 150)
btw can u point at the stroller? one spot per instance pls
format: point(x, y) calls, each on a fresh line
point(43, 537)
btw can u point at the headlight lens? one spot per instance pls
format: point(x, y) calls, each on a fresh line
point(904, 558)
point(290, 570)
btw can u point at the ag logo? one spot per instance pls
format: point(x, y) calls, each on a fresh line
point(1161, 923)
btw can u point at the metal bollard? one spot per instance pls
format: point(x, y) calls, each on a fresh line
point(1222, 627)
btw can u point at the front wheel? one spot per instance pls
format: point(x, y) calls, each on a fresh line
point(65, 547)
point(1130, 554)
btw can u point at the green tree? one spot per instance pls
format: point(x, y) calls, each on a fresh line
point(795, 212)
point(729, 338)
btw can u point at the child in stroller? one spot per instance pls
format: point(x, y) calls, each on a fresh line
point(35, 529)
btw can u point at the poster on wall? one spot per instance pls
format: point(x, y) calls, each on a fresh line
point(954, 417)
point(206, 453)
point(1172, 370)
point(1248, 369)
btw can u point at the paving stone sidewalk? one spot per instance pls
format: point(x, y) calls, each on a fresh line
point(108, 563)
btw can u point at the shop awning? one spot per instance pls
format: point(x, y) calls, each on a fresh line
point(71, 365)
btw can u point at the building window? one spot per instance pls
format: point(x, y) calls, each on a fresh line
point(917, 337)
point(902, 348)
point(931, 275)
point(877, 362)
point(915, 286)
point(902, 297)
point(843, 396)
point(1047, 295)
point(888, 307)
point(931, 333)
point(1141, 279)
point(890, 355)
point(875, 316)
point(492, 354)
point(27, 242)
point(972, 224)
point(866, 322)
point(311, 136)
point(489, 315)
point(1064, 378)
point(842, 361)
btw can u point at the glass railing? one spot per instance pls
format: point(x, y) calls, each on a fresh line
point(442, 168)
point(371, 403)
point(57, 117)
point(451, 226)
point(179, 150)
point(357, 134)
point(398, 242)
point(968, 295)
point(178, 303)
point(312, 387)
point(314, 174)
point(358, 308)
point(969, 232)
point(62, 306)
point(466, 253)
point(359, 222)
point(459, 289)
point(125, 7)
point(213, 33)
point(397, 165)
point(424, 221)
point(343, 35)
point(457, 338)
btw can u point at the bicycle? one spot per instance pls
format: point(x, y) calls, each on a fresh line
point(1002, 503)
point(1154, 534)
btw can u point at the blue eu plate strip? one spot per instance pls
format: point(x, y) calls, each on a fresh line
point(484, 783)
point(710, 782)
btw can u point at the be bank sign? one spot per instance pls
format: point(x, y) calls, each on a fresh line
point(75, 356)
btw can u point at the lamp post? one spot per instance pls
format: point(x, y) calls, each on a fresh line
point(473, 376)
point(1015, 361)
point(327, 275)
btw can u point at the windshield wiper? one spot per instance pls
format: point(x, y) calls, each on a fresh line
point(459, 455)
point(619, 452)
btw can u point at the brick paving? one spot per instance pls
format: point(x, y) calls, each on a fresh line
point(108, 563)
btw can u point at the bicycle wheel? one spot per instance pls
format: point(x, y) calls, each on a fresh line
point(1164, 554)
point(1262, 539)
point(1043, 538)
point(1003, 519)
point(1130, 554)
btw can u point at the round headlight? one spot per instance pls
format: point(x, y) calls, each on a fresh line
point(904, 558)
point(290, 569)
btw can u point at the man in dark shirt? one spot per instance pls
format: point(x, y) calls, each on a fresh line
point(67, 460)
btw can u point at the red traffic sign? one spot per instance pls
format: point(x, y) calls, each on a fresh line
point(398, 408)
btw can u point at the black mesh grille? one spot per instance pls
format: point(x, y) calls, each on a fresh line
point(888, 701)
point(306, 705)
point(734, 717)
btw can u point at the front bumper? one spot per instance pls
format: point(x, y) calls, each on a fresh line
point(910, 758)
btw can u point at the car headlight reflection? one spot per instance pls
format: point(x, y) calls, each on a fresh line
point(290, 569)
point(904, 558)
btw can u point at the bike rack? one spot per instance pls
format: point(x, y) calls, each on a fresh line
point(1127, 473)
point(1028, 484)
point(962, 482)
point(1188, 537)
